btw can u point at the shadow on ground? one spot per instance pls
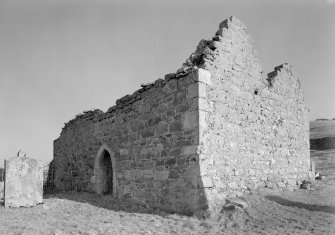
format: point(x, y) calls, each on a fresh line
point(310, 207)
point(106, 202)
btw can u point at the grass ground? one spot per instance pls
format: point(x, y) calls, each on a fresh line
point(320, 129)
point(288, 212)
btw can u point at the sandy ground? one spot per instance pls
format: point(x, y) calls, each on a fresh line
point(287, 212)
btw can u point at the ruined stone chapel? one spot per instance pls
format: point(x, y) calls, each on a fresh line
point(216, 128)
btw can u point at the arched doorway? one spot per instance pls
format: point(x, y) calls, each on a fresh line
point(104, 172)
point(107, 173)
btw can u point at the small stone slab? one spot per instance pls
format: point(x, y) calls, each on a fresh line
point(281, 184)
point(23, 182)
point(320, 177)
point(306, 186)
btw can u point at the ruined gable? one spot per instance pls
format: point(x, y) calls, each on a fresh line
point(255, 127)
point(216, 128)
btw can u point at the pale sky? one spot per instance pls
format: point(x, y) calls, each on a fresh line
point(59, 58)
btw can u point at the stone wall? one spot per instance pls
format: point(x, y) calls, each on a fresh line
point(152, 137)
point(217, 127)
point(253, 128)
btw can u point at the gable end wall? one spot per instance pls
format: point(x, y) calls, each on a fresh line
point(254, 130)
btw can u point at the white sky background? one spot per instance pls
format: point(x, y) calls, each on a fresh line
point(59, 58)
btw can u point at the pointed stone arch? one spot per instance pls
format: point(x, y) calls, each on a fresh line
point(105, 171)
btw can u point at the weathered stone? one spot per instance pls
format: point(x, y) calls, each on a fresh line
point(124, 152)
point(173, 174)
point(175, 126)
point(217, 128)
point(171, 161)
point(320, 177)
point(203, 76)
point(305, 186)
point(207, 182)
point(233, 185)
point(251, 172)
point(281, 184)
point(162, 175)
point(306, 182)
point(23, 182)
point(239, 202)
point(147, 133)
point(190, 120)
point(193, 91)
point(189, 150)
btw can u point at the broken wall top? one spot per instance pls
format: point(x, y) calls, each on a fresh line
point(206, 56)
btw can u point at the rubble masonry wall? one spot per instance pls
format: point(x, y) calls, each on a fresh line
point(153, 136)
point(254, 130)
point(216, 128)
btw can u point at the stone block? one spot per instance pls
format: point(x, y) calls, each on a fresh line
point(193, 91)
point(147, 173)
point(147, 133)
point(124, 152)
point(252, 172)
point(196, 90)
point(281, 184)
point(203, 76)
point(179, 97)
point(182, 108)
point(190, 121)
point(175, 126)
point(239, 202)
point(161, 128)
point(189, 150)
point(171, 161)
point(23, 182)
point(204, 105)
point(126, 174)
point(306, 186)
point(233, 185)
point(161, 175)
point(207, 182)
point(291, 182)
point(202, 119)
point(173, 174)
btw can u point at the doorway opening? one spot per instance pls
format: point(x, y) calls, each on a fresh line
point(107, 173)
point(104, 180)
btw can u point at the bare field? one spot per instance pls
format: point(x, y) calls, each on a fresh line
point(320, 129)
point(287, 212)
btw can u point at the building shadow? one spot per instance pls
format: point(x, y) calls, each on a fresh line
point(309, 207)
point(167, 185)
point(107, 202)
